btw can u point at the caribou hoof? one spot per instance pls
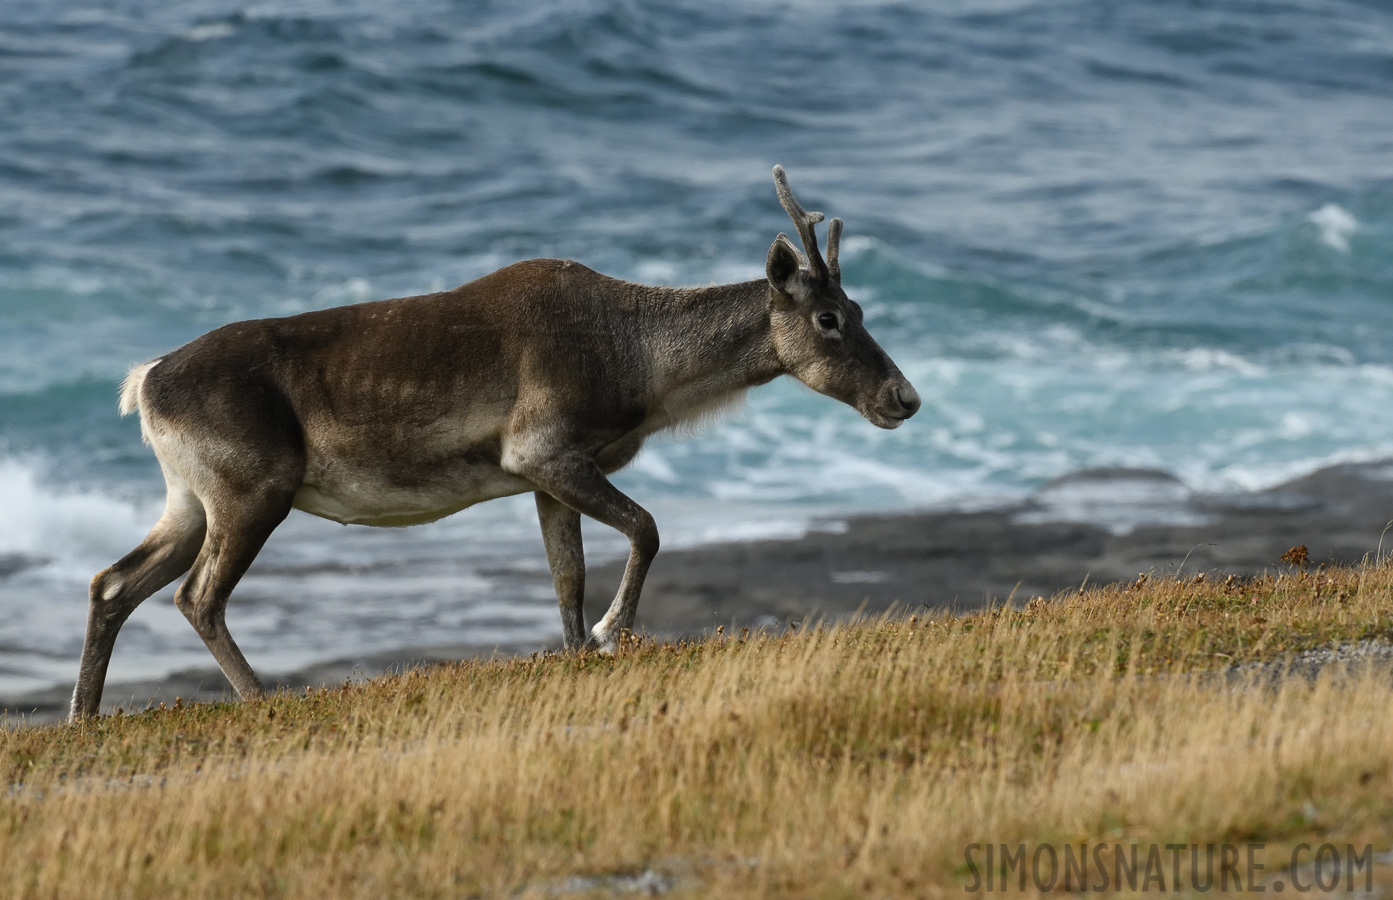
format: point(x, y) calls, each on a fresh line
point(602, 642)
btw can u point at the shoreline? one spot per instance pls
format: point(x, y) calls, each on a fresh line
point(1094, 527)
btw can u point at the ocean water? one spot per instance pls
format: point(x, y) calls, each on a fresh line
point(1152, 234)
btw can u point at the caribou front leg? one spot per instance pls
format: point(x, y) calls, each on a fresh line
point(576, 480)
point(566, 556)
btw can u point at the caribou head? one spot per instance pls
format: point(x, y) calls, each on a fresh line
point(817, 331)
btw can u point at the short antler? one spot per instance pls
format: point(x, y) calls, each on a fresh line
point(804, 222)
point(834, 242)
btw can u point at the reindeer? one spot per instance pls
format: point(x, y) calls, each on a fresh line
point(544, 376)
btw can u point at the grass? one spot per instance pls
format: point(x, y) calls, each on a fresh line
point(851, 761)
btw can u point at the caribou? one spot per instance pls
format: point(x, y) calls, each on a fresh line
point(544, 376)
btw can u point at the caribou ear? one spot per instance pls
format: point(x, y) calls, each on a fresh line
point(781, 268)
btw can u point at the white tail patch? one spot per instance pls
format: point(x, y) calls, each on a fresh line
point(130, 388)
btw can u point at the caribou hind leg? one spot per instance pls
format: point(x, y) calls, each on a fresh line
point(235, 536)
point(164, 555)
point(566, 556)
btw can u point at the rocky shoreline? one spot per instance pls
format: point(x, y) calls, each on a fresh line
point(1095, 527)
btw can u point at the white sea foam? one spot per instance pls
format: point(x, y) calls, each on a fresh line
point(64, 526)
point(1208, 359)
point(54, 538)
point(1336, 226)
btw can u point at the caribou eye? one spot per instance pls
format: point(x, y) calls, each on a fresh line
point(827, 320)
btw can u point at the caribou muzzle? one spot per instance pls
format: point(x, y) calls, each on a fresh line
point(896, 401)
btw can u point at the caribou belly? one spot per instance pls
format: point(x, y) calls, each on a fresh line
point(368, 502)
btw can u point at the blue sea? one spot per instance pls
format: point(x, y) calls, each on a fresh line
point(1149, 234)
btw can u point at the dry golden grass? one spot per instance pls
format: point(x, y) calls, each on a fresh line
point(845, 761)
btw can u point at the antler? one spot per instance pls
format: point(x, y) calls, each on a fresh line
point(834, 241)
point(804, 222)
